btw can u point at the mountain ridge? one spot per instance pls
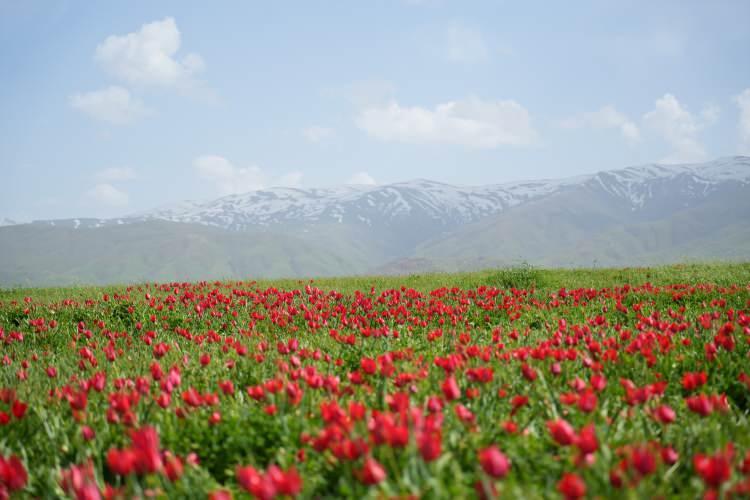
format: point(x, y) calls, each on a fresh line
point(439, 200)
point(648, 214)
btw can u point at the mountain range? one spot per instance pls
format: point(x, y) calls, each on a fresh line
point(640, 215)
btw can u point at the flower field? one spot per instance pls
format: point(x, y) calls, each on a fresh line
point(497, 385)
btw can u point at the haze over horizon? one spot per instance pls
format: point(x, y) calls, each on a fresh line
point(113, 109)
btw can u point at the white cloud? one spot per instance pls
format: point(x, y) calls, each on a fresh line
point(743, 101)
point(230, 179)
point(112, 104)
point(678, 127)
point(605, 118)
point(107, 194)
point(147, 57)
point(317, 134)
point(361, 178)
point(116, 174)
point(465, 45)
point(471, 122)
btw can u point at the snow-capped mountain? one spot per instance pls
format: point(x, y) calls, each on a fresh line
point(642, 184)
point(444, 203)
point(358, 204)
point(436, 204)
point(649, 214)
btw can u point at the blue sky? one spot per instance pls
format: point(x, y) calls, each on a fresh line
point(110, 108)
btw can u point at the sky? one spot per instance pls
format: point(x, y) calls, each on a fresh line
point(113, 108)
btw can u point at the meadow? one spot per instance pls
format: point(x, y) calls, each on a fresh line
point(513, 383)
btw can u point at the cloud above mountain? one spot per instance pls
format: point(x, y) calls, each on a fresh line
point(228, 178)
point(149, 56)
point(472, 122)
point(362, 179)
point(113, 105)
point(143, 58)
point(606, 117)
point(679, 128)
point(108, 195)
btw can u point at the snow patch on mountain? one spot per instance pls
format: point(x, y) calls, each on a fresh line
point(442, 202)
point(422, 202)
point(640, 184)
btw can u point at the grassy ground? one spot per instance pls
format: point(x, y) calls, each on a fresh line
point(434, 386)
point(520, 276)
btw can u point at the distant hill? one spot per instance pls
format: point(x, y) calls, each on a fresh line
point(639, 215)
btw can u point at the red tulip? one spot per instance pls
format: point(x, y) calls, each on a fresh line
point(562, 432)
point(642, 461)
point(517, 403)
point(598, 382)
point(528, 372)
point(227, 387)
point(19, 409)
point(146, 445)
point(220, 495)
point(286, 482)
point(450, 389)
point(121, 462)
point(571, 486)
point(87, 433)
point(372, 472)
point(494, 462)
point(205, 359)
point(430, 444)
point(669, 455)
point(464, 414)
point(192, 397)
point(368, 365)
point(247, 476)
point(714, 470)
point(691, 381)
point(255, 483)
point(700, 404)
point(665, 414)
point(13, 474)
point(587, 401)
point(587, 441)
point(172, 467)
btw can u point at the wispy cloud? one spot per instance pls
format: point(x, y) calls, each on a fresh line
point(113, 105)
point(107, 194)
point(231, 179)
point(606, 117)
point(472, 122)
point(362, 179)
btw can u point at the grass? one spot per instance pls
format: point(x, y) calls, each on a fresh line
point(425, 328)
point(520, 276)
